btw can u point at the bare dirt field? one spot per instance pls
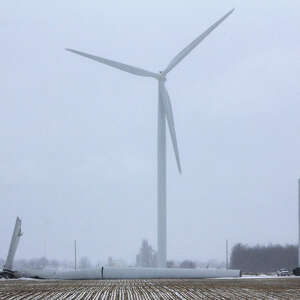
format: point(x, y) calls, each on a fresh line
point(258, 288)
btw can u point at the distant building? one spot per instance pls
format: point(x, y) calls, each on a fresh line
point(146, 258)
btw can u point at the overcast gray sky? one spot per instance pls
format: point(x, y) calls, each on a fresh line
point(78, 139)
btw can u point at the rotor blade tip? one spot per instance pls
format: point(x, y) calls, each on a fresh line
point(72, 50)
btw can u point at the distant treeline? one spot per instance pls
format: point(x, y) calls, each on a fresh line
point(84, 263)
point(44, 263)
point(263, 259)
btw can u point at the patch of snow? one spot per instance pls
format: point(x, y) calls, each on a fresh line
point(24, 278)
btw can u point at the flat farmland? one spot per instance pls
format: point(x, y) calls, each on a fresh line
point(242, 288)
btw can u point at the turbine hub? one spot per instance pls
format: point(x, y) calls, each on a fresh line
point(162, 76)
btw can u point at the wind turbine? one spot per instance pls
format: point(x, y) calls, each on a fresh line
point(165, 113)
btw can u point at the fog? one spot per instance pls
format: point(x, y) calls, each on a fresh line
point(78, 139)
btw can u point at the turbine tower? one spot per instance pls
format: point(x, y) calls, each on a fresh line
point(165, 113)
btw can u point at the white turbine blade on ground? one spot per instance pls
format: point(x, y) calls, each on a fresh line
point(181, 55)
point(170, 119)
point(118, 65)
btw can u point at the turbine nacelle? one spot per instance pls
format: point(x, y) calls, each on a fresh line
point(162, 76)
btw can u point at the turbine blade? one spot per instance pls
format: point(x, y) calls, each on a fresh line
point(118, 65)
point(181, 55)
point(170, 119)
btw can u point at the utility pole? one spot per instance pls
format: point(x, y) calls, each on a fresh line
point(299, 223)
point(45, 246)
point(226, 254)
point(296, 271)
point(75, 250)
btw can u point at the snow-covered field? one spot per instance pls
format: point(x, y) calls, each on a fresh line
point(243, 288)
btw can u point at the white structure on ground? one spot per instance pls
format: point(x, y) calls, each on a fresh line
point(8, 266)
point(164, 114)
point(132, 273)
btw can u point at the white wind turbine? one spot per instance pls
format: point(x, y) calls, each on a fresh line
point(164, 113)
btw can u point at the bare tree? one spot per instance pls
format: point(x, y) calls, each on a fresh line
point(84, 263)
point(1, 263)
point(263, 259)
point(188, 264)
point(170, 264)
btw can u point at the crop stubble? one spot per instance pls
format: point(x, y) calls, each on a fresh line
point(271, 288)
